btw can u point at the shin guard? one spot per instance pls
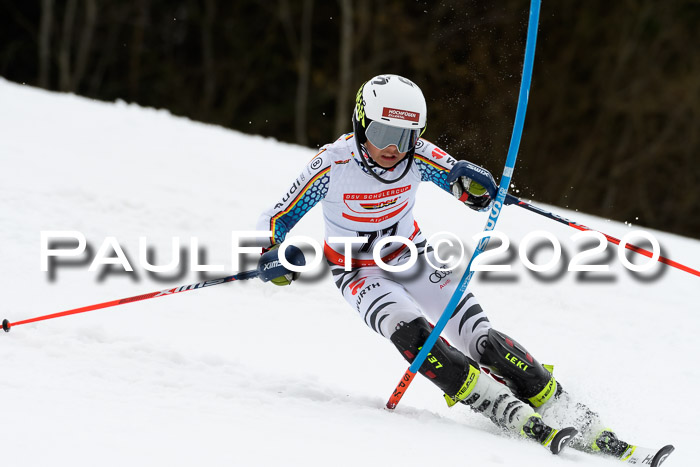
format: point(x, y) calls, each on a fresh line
point(445, 366)
point(528, 379)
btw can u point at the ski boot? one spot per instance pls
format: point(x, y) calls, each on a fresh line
point(562, 409)
point(494, 400)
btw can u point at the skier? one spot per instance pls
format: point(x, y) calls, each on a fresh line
point(367, 182)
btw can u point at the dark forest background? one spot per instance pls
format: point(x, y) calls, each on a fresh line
point(614, 114)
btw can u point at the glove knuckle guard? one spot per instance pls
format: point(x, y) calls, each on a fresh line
point(270, 269)
point(473, 172)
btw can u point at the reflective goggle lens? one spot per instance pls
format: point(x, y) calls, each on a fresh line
point(382, 136)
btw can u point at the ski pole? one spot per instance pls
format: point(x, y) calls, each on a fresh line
point(408, 376)
point(269, 267)
point(510, 199)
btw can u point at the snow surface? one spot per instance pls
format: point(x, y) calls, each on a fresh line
point(251, 374)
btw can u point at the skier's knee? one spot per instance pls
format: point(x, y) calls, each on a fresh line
point(528, 379)
point(445, 366)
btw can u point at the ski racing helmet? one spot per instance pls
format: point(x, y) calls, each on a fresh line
point(389, 110)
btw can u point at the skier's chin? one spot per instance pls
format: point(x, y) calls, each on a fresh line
point(388, 160)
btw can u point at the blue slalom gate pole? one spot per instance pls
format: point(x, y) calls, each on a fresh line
point(495, 207)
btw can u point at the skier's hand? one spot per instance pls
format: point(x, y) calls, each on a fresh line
point(473, 185)
point(285, 279)
point(471, 193)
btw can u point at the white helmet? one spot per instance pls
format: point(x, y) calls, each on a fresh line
point(389, 110)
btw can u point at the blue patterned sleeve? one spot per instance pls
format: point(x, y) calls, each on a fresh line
point(306, 191)
point(433, 163)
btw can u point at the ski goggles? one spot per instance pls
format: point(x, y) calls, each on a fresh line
point(382, 136)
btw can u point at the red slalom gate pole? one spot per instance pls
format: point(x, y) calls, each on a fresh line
point(510, 199)
point(7, 325)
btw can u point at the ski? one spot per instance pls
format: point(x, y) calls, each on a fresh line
point(637, 455)
point(634, 455)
